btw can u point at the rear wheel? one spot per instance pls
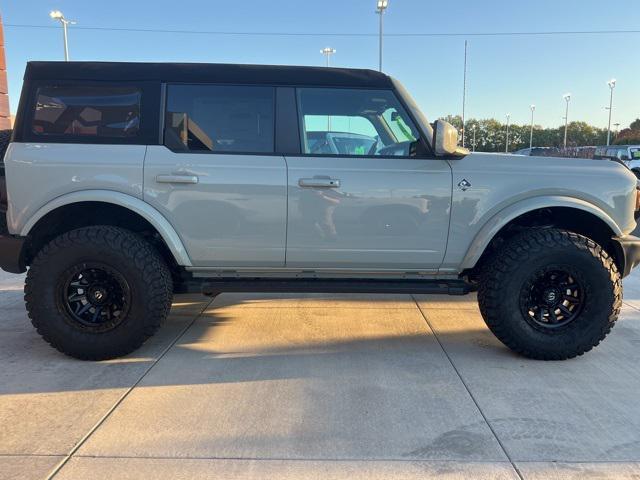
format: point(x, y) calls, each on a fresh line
point(550, 294)
point(98, 292)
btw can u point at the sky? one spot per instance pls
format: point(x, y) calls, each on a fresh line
point(505, 74)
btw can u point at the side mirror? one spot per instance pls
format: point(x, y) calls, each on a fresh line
point(445, 140)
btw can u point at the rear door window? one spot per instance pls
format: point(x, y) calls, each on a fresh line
point(220, 118)
point(87, 111)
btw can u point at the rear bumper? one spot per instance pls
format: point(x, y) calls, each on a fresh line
point(11, 253)
point(628, 253)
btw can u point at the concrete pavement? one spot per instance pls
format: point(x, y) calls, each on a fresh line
point(318, 386)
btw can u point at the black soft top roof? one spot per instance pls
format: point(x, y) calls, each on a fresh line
point(207, 72)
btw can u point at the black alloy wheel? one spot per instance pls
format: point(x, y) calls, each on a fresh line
point(96, 297)
point(552, 297)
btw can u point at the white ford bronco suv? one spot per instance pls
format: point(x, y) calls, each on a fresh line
point(128, 182)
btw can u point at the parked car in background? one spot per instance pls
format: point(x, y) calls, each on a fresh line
point(537, 151)
point(627, 154)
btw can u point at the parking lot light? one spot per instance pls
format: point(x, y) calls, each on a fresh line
point(474, 137)
point(57, 15)
point(506, 148)
point(567, 98)
point(533, 109)
point(612, 85)
point(380, 8)
point(327, 52)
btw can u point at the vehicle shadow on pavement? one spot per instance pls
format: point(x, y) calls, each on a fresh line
point(243, 338)
point(320, 376)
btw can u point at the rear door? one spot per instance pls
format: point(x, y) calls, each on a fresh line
point(217, 179)
point(363, 194)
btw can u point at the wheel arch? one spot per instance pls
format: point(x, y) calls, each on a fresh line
point(566, 213)
point(112, 208)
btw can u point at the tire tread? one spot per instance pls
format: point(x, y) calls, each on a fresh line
point(156, 276)
point(516, 253)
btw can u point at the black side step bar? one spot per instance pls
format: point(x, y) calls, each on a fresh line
point(214, 287)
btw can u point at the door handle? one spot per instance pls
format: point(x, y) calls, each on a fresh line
point(319, 182)
point(177, 179)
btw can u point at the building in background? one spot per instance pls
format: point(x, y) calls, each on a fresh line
point(5, 117)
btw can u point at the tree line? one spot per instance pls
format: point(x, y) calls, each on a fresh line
point(490, 134)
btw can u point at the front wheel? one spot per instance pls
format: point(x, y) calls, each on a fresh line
point(98, 292)
point(550, 294)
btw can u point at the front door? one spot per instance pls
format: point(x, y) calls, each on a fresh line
point(216, 178)
point(361, 196)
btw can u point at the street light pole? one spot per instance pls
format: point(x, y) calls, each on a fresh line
point(533, 109)
point(57, 15)
point(381, 7)
point(506, 148)
point(327, 52)
point(612, 85)
point(567, 97)
point(474, 137)
point(464, 93)
point(66, 41)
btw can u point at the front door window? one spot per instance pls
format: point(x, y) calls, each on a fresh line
point(356, 123)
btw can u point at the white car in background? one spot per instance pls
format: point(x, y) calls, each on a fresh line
point(628, 154)
point(537, 151)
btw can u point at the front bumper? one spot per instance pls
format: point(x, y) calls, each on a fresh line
point(11, 254)
point(628, 253)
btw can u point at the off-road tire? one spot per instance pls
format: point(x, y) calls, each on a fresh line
point(138, 263)
point(503, 279)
